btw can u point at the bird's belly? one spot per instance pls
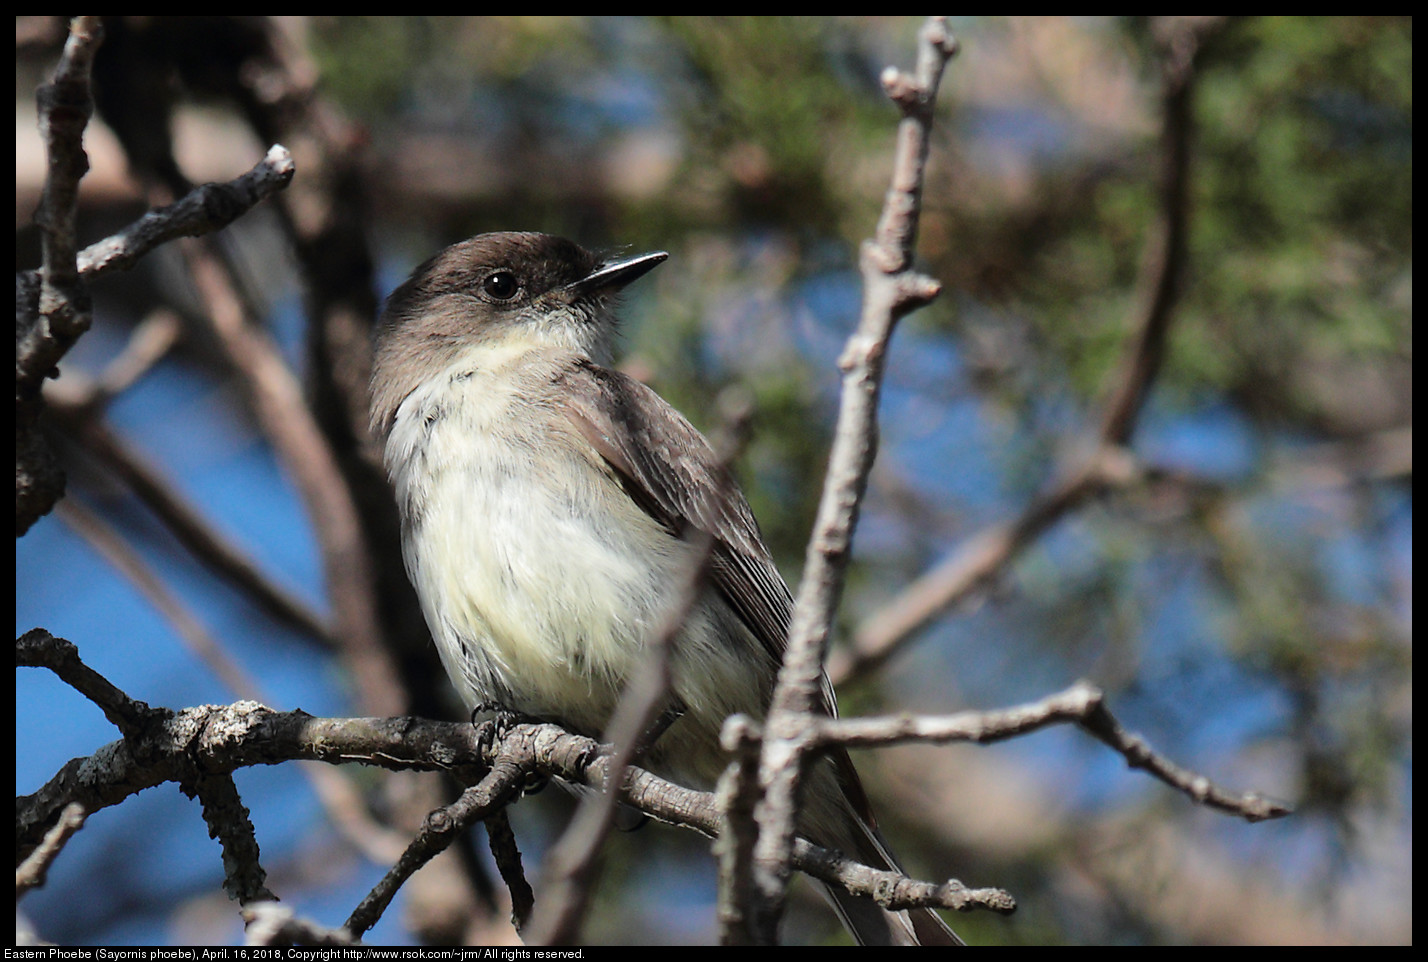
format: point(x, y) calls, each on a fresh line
point(534, 603)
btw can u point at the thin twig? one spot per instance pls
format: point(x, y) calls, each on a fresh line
point(893, 890)
point(148, 343)
point(65, 106)
point(38, 648)
point(268, 923)
point(1104, 463)
point(507, 856)
point(737, 797)
point(1082, 704)
point(205, 209)
point(890, 291)
point(975, 563)
point(52, 309)
point(1163, 267)
point(227, 818)
point(32, 871)
point(438, 831)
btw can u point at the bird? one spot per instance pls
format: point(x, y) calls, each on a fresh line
point(550, 507)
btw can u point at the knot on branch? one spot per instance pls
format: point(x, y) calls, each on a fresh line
point(902, 89)
point(915, 95)
point(914, 291)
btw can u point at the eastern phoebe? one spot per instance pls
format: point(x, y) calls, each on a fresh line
point(549, 507)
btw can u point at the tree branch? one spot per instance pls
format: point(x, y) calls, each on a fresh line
point(501, 785)
point(52, 310)
point(200, 744)
point(32, 871)
point(1108, 464)
point(269, 923)
point(52, 304)
point(890, 291)
point(1083, 704)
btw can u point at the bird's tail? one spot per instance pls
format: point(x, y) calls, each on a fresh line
point(854, 832)
point(871, 924)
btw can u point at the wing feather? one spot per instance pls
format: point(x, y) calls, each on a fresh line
point(672, 473)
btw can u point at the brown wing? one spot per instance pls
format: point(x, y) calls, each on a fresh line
point(669, 470)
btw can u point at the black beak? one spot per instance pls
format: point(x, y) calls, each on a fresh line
point(614, 275)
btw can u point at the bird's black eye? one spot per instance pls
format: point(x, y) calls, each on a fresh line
point(501, 285)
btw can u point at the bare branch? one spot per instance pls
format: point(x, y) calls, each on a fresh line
point(38, 648)
point(52, 304)
point(1105, 462)
point(149, 342)
point(737, 797)
point(893, 890)
point(976, 562)
point(228, 822)
point(442, 827)
point(53, 309)
point(32, 871)
point(502, 842)
point(889, 292)
point(203, 210)
point(269, 923)
point(65, 106)
point(1082, 704)
point(219, 739)
point(342, 802)
point(1180, 40)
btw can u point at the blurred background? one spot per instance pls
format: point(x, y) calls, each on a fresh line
point(1243, 593)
